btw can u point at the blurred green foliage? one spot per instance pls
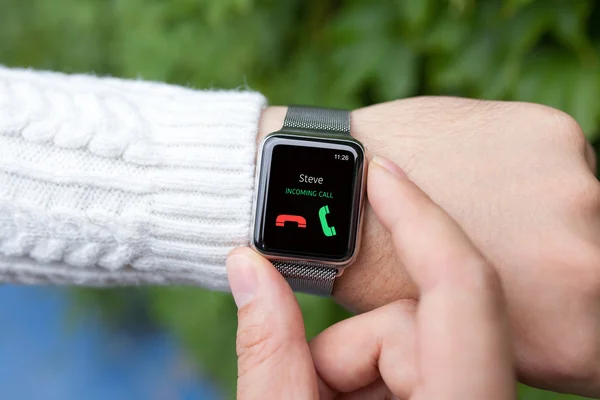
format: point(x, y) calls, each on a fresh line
point(327, 52)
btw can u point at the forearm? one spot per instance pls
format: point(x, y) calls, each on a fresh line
point(106, 181)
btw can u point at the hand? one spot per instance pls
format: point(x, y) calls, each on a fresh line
point(518, 179)
point(453, 345)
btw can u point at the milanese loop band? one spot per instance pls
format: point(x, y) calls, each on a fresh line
point(324, 120)
point(307, 278)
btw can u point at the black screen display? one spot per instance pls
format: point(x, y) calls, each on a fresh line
point(308, 207)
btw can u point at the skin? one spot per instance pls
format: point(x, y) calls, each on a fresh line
point(518, 178)
point(453, 345)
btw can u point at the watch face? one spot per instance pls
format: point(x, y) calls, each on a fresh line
point(309, 194)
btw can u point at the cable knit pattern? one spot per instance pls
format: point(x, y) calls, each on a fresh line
point(106, 181)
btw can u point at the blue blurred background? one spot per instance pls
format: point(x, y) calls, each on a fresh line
point(46, 353)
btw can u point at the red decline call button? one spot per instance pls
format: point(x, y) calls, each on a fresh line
point(283, 218)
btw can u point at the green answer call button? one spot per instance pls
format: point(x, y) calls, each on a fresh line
point(327, 230)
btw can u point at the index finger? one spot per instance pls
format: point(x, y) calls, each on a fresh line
point(463, 347)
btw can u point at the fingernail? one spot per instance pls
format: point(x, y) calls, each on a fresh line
point(243, 279)
point(390, 166)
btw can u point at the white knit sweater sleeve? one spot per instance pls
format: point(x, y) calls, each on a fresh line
point(106, 181)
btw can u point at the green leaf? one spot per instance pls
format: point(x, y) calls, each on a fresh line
point(415, 16)
point(360, 35)
point(398, 76)
point(462, 5)
point(512, 6)
point(468, 67)
point(571, 28)
point(585, 101)
point(446, 35)
point(528, 393)
point(561, 81)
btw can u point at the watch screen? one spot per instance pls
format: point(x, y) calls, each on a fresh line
point(310, 204)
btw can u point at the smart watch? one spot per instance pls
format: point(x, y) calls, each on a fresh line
point(308, 203)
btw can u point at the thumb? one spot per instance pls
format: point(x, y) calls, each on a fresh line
point(273, 356)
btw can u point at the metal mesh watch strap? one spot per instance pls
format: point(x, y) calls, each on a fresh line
point(307, 278)
point(318, 120)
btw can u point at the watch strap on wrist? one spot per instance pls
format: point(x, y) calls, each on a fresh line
point(318, 120)
point(307, 278)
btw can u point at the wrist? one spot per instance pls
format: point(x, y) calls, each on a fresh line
point(377, 277)
point(271, 120)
